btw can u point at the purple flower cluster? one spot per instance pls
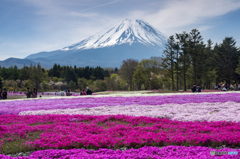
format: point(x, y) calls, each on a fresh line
point(15, 107)
point(68, 131)
point(115, 131)
point(168, 152)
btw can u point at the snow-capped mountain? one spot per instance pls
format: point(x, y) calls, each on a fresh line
point(129, 39)
point(128, 31)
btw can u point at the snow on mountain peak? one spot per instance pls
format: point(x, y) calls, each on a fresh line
point(128, 31)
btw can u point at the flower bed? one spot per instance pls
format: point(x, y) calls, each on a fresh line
point(228, 111)
point(206, 120)
point(15, 107)
point(77, 131)
point(169, 152)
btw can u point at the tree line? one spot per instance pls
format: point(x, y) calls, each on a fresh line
point(186, 57)
point(186, 60)
point(69, 73)
point(36, 76)
point(13, 74)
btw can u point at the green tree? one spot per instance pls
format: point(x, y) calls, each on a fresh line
point(238, 67)
point(50, 72)
point(195, 40)
point(13, 73)
point(139, 79)
point(72, 85)
point(1, 83)
point(155, 82)
point(169, 58)
point(226, 59)
point(177, 49)
point(106, 73)
point(82, 83)
point(208, 67)
point(113, 82)
point(184, 57)
point(36, 75)
point(127, 70)
point(55, 79)
point(70, 75)
point(200, 65)
point(87, 72)
point(4, 73)
point(45, 85)
point(98, 73)
point(55, 71)
point(152, 65)
point(100, 85)
point(24, 73)
point(147, 71)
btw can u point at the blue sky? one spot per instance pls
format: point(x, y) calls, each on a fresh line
point(32, 26)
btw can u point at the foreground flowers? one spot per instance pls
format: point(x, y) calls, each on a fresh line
point(208, 120)
point(228, 111)
point(169, 152)
point(77, 131)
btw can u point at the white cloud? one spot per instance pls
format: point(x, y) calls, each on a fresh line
point(171, 16)
point(101, 5)
point(176, 15)
point(59, 23)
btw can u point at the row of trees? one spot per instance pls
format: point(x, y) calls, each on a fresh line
point(146, 74)
point(37, 77)
point(132, 75)
point(187, 57)
point(70, 73)
point(186, 60)
point(33, 73)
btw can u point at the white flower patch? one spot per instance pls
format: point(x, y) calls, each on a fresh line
point(228, 111)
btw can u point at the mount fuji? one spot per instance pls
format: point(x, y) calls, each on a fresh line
point(130, 39)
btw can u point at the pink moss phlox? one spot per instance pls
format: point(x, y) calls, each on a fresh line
point(169, 152)
point(59, 131)
point(15, 107)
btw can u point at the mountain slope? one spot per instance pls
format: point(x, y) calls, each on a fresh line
point(16, 61)
point(130, 39)
point(104, 57)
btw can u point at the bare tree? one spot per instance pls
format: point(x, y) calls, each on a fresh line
point(127, 70)
point(36, 75)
